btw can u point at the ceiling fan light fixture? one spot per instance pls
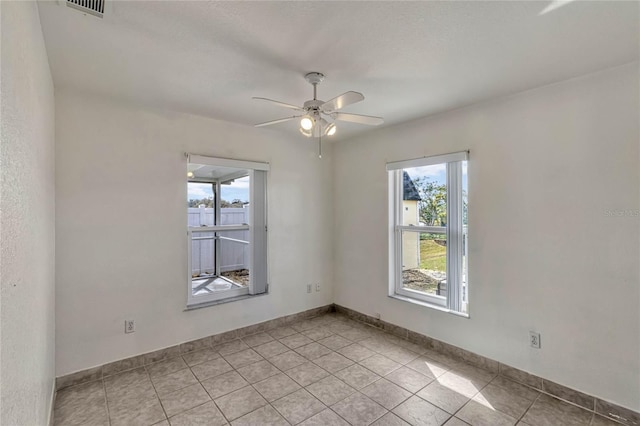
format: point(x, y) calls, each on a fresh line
point(331, 129)
point(306, 123)
point(307, 133)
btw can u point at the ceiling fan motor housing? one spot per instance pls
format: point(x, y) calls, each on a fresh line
point(313, 104)
point(314, 77)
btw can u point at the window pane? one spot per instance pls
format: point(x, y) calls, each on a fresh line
point(234, 261)
point(203, 264)
point(424, 262)
point(234, 256)
point(234, 201)
point(200, 197)
point(424, 195)
point(202, 254)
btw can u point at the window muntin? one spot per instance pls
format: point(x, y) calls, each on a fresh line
point(429, 230)
point(226, 229)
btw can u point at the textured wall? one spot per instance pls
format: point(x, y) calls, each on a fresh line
point(546, 168)
point(119, 162)
point(27, 219)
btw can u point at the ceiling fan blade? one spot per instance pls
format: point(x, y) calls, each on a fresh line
point(280, 120)
point(282, 104)
point(357, 118)
point(341, 101)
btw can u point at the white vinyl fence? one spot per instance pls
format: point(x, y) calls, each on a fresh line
point(233, 255)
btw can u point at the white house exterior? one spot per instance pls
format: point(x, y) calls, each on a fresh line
point(411, 240)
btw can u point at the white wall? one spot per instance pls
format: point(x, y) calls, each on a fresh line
point(114, 161)
point(27, 219)
point(545, 166)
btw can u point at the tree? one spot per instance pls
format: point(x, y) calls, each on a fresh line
point(236, 203)
point(208, 202)
point(432, 208)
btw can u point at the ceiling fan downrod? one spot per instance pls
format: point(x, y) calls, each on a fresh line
point(314, 78)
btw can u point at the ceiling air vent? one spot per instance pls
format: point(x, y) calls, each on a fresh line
point(94, 7)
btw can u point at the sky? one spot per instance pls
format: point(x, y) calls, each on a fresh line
point(239, 190)
point(437, 173)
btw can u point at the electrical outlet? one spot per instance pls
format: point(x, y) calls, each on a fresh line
point(129, 326)
point(318, 287)
point(308, 288)
point(534, 339)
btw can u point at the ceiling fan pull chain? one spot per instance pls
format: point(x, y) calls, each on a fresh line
point(319, 135)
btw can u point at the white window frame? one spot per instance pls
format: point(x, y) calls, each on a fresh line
point(257, 227)
point(453, 230)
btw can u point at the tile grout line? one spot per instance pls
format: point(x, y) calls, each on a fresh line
point(144, 367)
point(466, 403)
point(205, 389)
point(269, 403)
point(224, 416)
point(529, 408)
point(333, 411)
point(166, 417)
point(555, 397)
point(276, 409)
point(106, 401)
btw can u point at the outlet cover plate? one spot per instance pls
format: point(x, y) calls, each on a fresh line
point(129, 326)
point(534, 339)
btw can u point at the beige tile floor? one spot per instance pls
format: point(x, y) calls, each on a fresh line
point(327, 370)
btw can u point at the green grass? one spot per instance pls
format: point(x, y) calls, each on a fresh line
point(433, 256)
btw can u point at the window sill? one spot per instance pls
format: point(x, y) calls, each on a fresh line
point(428, 305)
point(195, 306)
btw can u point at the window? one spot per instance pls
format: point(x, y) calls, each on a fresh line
point(226, 228)
point(428, 230)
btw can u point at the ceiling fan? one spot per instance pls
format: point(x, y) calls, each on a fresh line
point(314, 113)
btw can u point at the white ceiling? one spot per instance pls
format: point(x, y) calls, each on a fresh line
point(409, 59)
